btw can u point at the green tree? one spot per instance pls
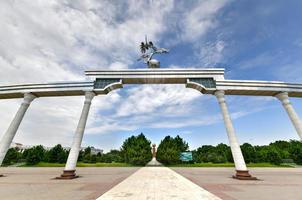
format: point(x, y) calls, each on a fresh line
point(295, 151)
point(273, 156)
point(35, 155)
point(169, 149)
point(87, 151)
point(181, 144)
point(86, 158)
point(214, 157)
point(202, 152)
point(99, 157)
point(12, 156)
point(116, 156)
point(208, 153)
point(224, 151)
point(261, 153)
point(112, 156)
point(93, 159)
point(81, 155)
point(62, 156)
point(87, 155)
point(106, 158)
point(136, 150)
point(282, 147)
point(196, 157)
point(57, 154)
point(249, 152)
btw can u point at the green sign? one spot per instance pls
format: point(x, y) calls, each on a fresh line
point(186, 156)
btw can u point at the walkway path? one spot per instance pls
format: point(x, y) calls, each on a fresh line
point(157, 183)
point(153, 163)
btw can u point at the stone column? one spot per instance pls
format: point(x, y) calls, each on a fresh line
point(283, 97)
point(241, 169)
point(70, 167)
point(9, 135)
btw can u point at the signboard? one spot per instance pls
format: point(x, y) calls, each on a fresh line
point(186, 156)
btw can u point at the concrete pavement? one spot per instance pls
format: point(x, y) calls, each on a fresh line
point(274, 183)
point(157, 183)
point(36, 183)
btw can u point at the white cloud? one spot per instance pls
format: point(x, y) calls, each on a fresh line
point(49, 41)
point(151, 106)
point(201, 18)
point(118, 65)
point(48, 121)
point(57, 40)
point(211, 53)
point(147, 99)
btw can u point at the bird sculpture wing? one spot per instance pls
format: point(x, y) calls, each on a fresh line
point(162, 50)
point(143, 48)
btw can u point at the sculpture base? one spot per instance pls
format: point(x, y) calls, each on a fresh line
point(243, 175)
point(154, 163)
point(68, 174)
point(153, 63)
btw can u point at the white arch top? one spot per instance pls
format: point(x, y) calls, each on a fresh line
point(206, 80)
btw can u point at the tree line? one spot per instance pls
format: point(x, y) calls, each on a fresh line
point(276, 153)
point(136, 150)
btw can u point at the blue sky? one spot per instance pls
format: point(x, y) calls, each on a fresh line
point(57, 40)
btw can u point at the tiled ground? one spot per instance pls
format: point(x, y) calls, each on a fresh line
point(157, 183)
point(37, 183)
point(275, 183)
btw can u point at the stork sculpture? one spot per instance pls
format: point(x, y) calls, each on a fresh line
point(148, 50)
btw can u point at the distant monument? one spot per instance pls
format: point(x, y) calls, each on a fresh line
point(153, 151)
point(154, 162)
point(148, 49)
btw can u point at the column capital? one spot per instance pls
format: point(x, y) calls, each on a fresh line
point(89, 96)
point(28, 98)
point(220, 95)
point(283, 97)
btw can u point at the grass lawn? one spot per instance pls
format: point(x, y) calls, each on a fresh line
point(79, 164)
point(227, 165)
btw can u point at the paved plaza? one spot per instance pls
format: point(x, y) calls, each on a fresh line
point(39, 183)
point(275, 183)
point(157, 183)
point(150, 183)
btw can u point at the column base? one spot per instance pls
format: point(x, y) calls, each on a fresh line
point(244, 175)
point(68, 174)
